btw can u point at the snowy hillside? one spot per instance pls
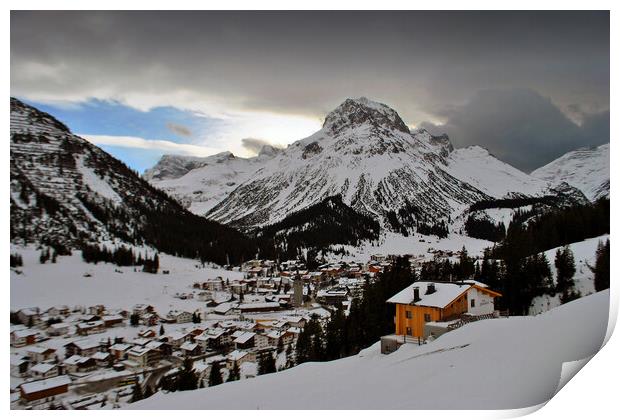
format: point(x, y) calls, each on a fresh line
point(105, 283)
point(491, 364)
point(585, 257)
point(586, 169)
point(66, 192)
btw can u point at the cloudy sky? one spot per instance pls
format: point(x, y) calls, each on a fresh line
point(528, 86)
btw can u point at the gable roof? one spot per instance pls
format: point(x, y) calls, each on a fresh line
point(444, 294)
point(36, 386)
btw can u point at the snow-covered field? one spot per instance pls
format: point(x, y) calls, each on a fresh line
point(492, 364)
point(585, 257)
point(417, 245)
point(63, 283)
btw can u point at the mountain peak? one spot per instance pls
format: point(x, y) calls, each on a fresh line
point(360, 111)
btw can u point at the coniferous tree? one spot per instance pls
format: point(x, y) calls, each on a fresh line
point(215, 376)
point(266, 364)
point(601, 268)
point(187, 377)
point(162, 331)
point(565, 269)
point(234, 373)
point(134, 320)
point(137, 392)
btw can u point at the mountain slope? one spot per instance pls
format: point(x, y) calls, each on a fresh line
point(66, 192)
point(200, 183)
point(320, 225)
point(586, 169)
point(367, 154)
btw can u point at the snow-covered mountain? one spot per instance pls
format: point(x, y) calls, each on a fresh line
point(365, 153)
point(66, 192)
point(586, 169)
point(200, 183)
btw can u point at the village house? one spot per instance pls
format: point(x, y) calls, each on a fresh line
point(142, 308)
point(238, 356)
point(177, 338)
point(119, 350)
point(160, 349)
point(23, 337)
point(213, 338)
point(87, 328)
point(29, 316)
point(261, 341)
point(97, 310)
point(274, 338)
point(140, 341)
point(40, 354)
point(179, 317)
point(102, 359)
point(62, 310)
point(245, 340)
point(148, 333)
point(431, 302)
point(213, 285)
point(79, 364)
point(149, 319)
point(61, 328)
point(19, 366)
point(112, 321)
point(142, 357)
point(224, 308)
point(190, 349)
point(332, 296)
point(296, 321)
point(260, 307)
point(86, 347)
point(44, 370)
point(44, 391)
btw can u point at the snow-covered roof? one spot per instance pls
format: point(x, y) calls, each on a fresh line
point(39, 350)
point(189, 346)
point(245, 337)
point(100, 355)
point(42, 367)
point(120, 346)
point(443, 295)
point(37, 386)
point(237, 354)
point(138, 351)
point(24, 333)
point(75, 360)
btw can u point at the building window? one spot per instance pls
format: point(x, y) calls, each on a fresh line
point(427, 317)
point(409, 331)
point(473, 303)
point(408, 315)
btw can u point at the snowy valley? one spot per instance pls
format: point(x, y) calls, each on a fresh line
point(276, 270)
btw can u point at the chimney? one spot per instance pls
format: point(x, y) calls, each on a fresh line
point(416, 294)
point(430, 289)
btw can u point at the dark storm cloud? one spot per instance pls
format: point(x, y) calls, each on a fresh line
point(308, 62)
point(520, 127)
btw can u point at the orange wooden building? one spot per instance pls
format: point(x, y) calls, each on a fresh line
point(424, 302)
